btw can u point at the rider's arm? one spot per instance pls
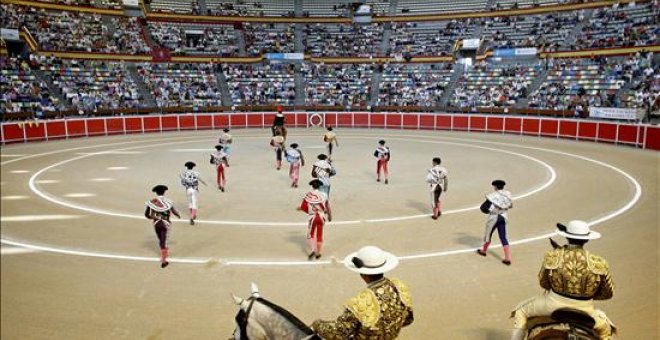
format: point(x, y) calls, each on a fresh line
point(544, 278)
point(606, 289)
point(344, 327)
point(409, 319)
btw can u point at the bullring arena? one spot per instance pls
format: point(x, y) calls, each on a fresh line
point(79, 260)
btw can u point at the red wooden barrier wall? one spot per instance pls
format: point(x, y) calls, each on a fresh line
point(644, 136)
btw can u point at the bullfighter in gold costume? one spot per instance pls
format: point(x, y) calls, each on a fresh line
point(573, 278)
point(378, 311)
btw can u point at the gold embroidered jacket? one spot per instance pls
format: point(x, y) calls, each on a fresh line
point(377, 312)
point(574, 272)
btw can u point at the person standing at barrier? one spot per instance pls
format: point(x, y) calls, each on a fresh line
point(190, 180)
point(380, 310)
point(496, 206)
point(219, 159)
point(382, 155)
point(572, 278)
point(226, 141)
point(330, 137)
point(323, 170)
point(277, 142)
point(437, 180)
point(296, 159)
point(315, 205)
point(158, 210)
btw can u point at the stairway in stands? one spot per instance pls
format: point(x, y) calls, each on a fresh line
point(107, 21)
point(224, 87)
point(202, 7)
point(52, 88)
point(384, 50)
point(540, 79)
point(577, 29)
point(299, 47)
point(145, 94)
point(449, 90)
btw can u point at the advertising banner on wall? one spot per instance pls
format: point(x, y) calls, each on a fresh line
point(10, 34)
point(615, 113)
point(515, 52)
point(285, 56)
point(130, 3)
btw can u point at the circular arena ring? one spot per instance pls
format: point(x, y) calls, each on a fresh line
point(79, 259)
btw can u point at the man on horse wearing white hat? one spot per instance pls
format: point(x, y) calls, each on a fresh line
point(378, 311)
point(572, 278)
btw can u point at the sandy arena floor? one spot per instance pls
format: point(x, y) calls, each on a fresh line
point(96, 275)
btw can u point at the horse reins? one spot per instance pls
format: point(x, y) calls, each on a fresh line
point(242, 323)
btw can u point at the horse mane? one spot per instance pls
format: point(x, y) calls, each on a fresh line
point(287, 315)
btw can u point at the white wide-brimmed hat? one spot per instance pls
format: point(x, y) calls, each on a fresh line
point(578, 230)
point(371, 260)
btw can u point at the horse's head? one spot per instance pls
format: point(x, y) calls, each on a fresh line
point(260, 319)
point(242, 317)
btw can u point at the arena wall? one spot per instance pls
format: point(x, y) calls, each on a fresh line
point(637, 135)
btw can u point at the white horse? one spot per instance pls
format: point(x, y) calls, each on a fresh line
point(260, 319)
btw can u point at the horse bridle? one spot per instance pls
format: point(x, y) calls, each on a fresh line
point(242, 319)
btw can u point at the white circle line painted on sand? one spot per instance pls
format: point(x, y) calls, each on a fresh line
point(205, 260)
point(629, 205)
point(72, 205)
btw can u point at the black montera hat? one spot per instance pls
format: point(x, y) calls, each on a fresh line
point(159, 189)
point(218, 147)
point(315, 183)
point(190, 165)
point(498, 183)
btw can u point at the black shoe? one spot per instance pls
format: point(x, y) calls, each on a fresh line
point(377, 179)
point(222, 189)
point(164, 264)
point(310, 257)
point(387, 182)
point(480, 252)
point(434, 217)
point(507, 262)
point(192, 222)
point(318, 256)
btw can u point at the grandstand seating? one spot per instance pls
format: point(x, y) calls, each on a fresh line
point(413, 85)
point(111, 4)
point(72, 31)
point(439, 6)
point(330, 8)
point(261, 84)
point(20, 90)
point(268, 8)
point(493, 85)
point(91, 85)
point(625, 25)
point(571, 80)
point(337, 84)
point(265, 38)
point(193, 38)
point(334, 40)
point(181, 84)
point(172, 6)
point(549, 30)
point(429, 38)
